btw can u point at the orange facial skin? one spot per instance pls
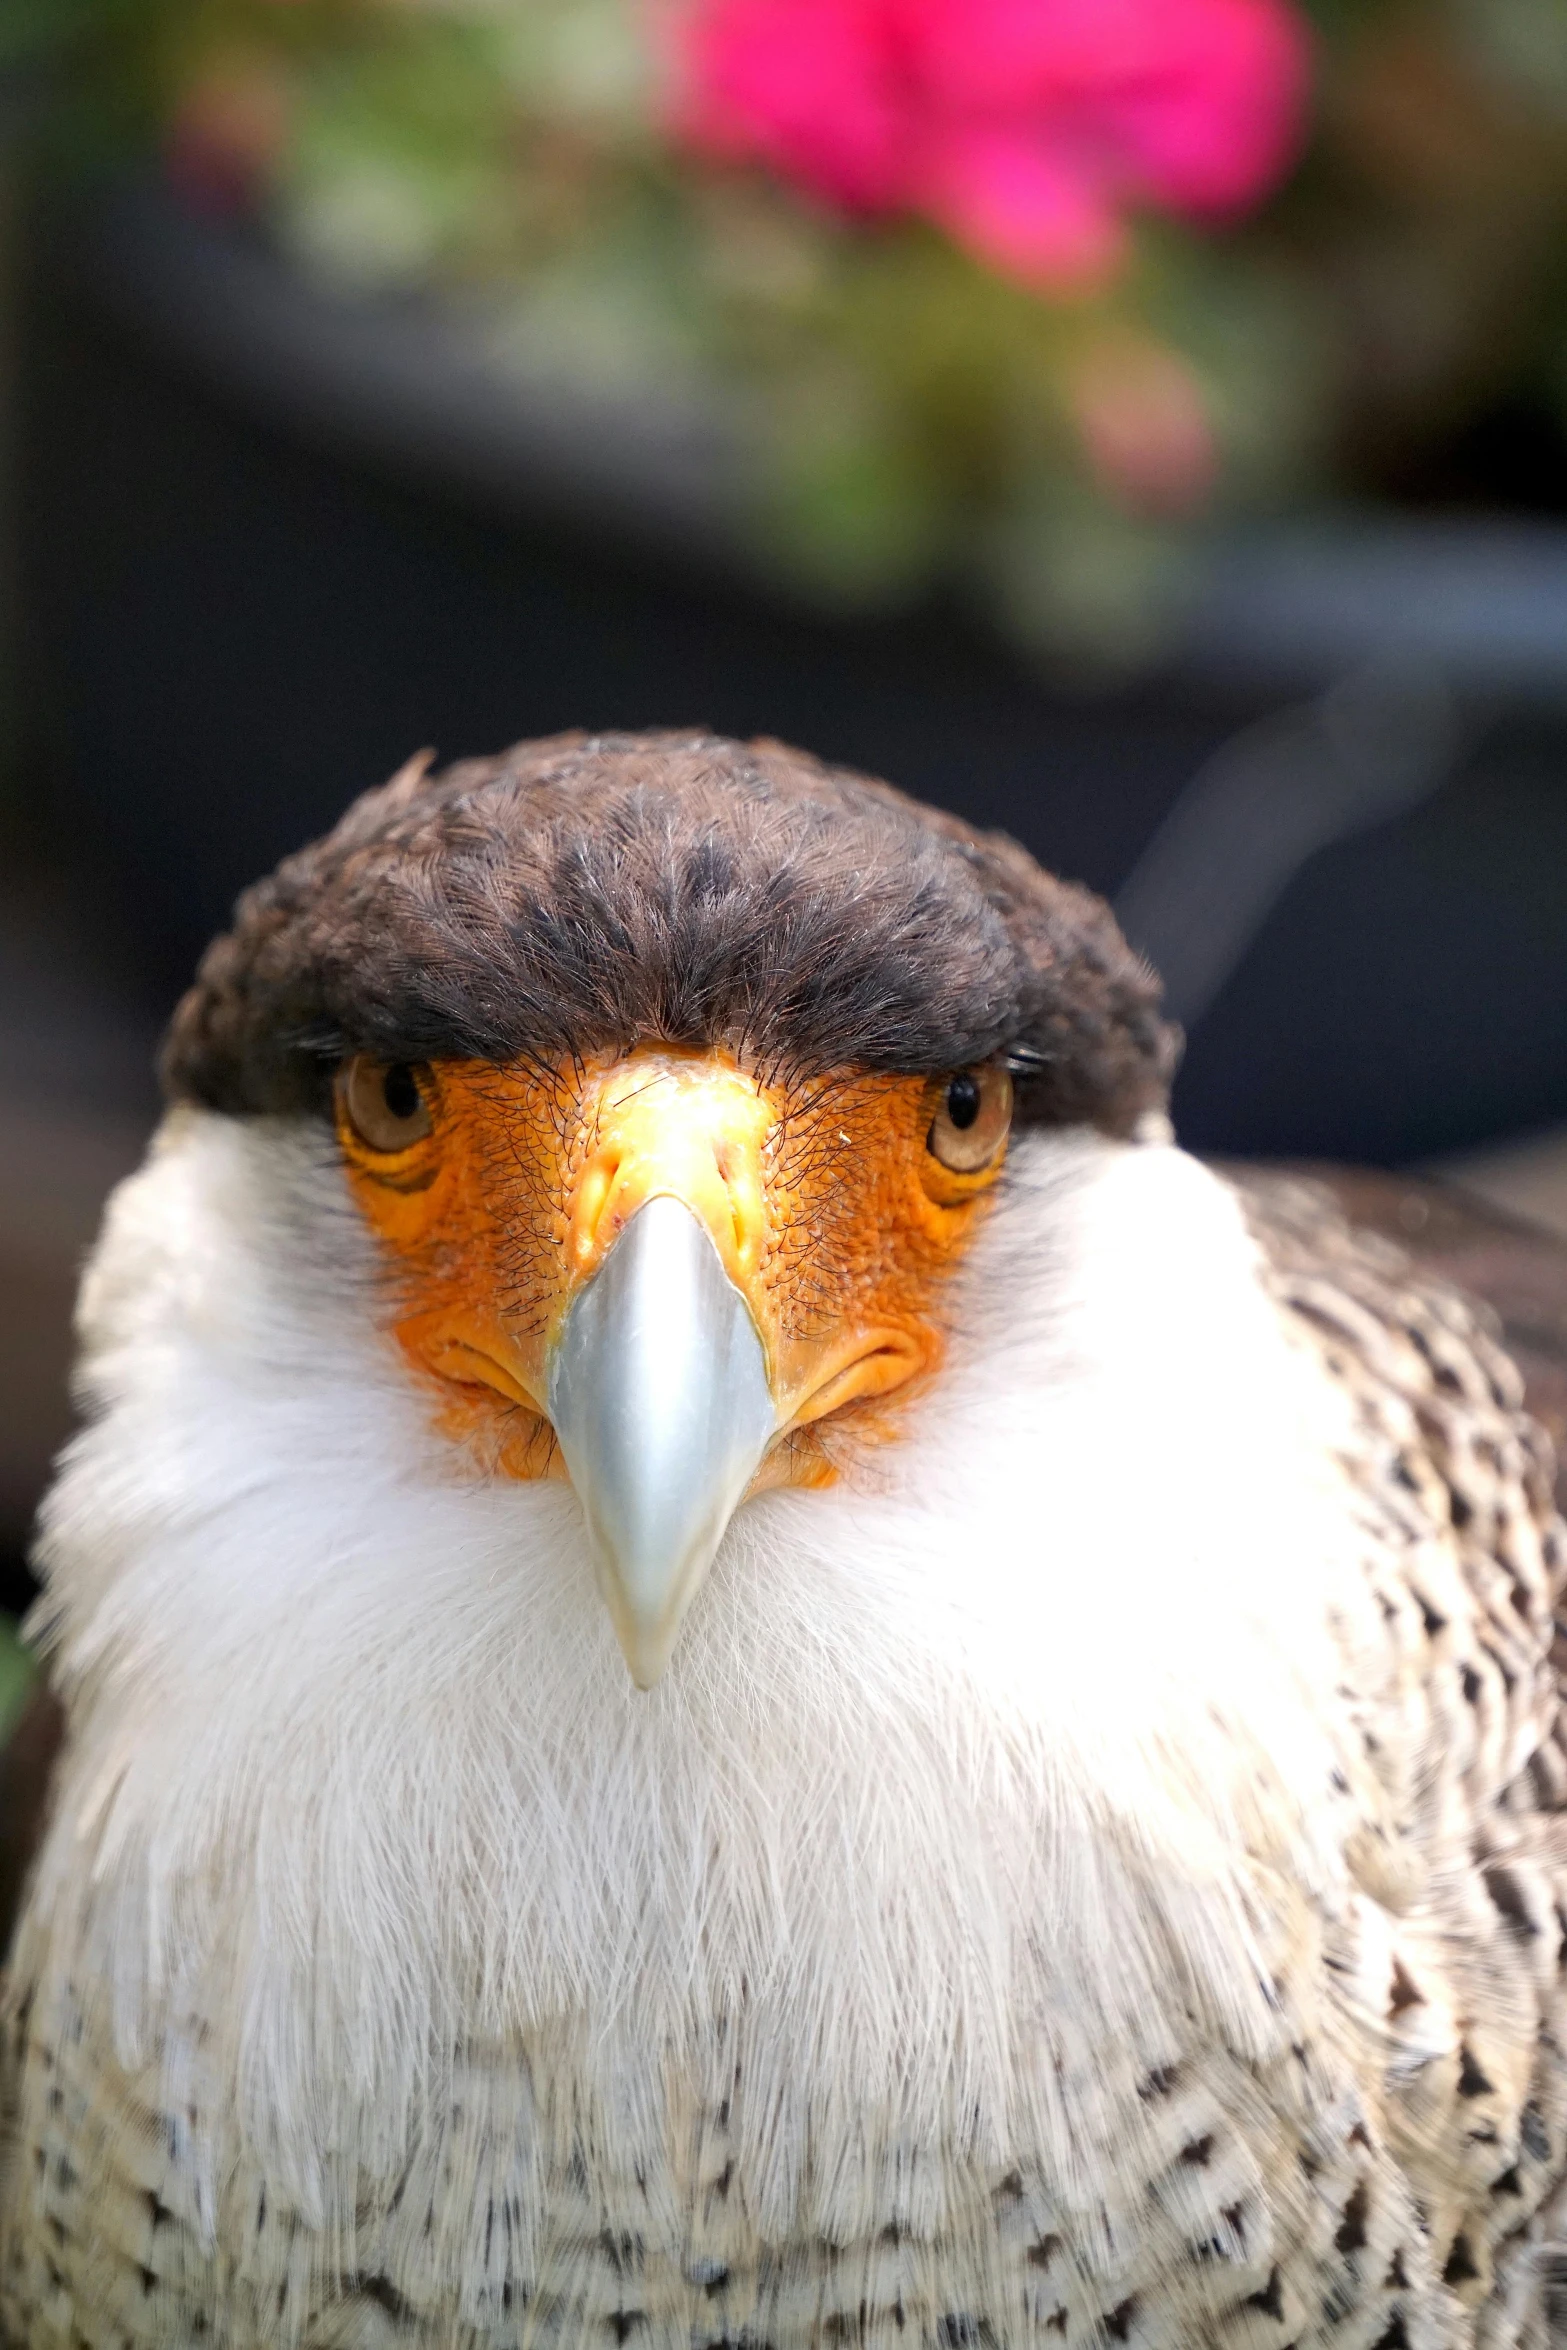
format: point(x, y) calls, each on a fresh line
point(832, 1215)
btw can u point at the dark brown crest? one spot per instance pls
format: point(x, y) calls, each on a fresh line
point(590, 892)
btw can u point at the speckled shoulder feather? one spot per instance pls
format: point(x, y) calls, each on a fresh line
point(1461, 1719)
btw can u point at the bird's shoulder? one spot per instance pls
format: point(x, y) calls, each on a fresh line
point(1413, 1248)
point(1444, 1323)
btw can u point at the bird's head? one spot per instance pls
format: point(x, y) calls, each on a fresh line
point(672, 1079)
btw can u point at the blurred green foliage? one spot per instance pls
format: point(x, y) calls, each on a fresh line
point(28, 27)
point(910, 415)
point(16, 1675)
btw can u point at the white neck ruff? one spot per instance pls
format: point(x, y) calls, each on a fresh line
point(957, 1769)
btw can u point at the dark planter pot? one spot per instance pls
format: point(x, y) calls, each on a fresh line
point(271, 544)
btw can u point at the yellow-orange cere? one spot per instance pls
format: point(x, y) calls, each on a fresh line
point(836, 1204)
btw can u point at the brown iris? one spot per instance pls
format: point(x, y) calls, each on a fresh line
point(972, 1121)
point(383, 1102)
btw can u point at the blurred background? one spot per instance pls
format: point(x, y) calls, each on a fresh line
point(1140, 424)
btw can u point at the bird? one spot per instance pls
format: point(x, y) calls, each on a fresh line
point(741, 1668)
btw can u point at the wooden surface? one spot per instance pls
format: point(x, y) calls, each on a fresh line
point(1524, 1175)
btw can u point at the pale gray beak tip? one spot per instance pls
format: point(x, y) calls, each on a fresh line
point(659, 1395)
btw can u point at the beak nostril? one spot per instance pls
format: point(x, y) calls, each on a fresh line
point(684, 1130)
point(597, 1217)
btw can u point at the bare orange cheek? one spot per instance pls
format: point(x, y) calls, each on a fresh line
point(477, 1220)
point(470, 1251)
point(860, 1247)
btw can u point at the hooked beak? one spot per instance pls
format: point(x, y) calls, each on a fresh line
point(659, 1395)
point(653, 1272)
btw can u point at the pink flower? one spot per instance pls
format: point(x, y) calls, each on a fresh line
point(1026, 128)
point(1143, 424)
point(227, 131)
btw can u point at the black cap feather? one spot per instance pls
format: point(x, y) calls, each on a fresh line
point(588, 893)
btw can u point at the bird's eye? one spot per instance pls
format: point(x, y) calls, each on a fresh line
point(963, 1100)
point(383, 1103)
point(971, 1125)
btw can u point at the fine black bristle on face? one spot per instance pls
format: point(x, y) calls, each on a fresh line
point(589, 893)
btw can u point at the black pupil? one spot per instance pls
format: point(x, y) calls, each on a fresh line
point(963, 1102)
point(400, 1091)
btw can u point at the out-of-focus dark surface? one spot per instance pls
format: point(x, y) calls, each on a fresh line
point(77, 1037)
point(232, 629)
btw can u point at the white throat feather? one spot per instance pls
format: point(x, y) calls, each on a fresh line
point(962, 1772)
